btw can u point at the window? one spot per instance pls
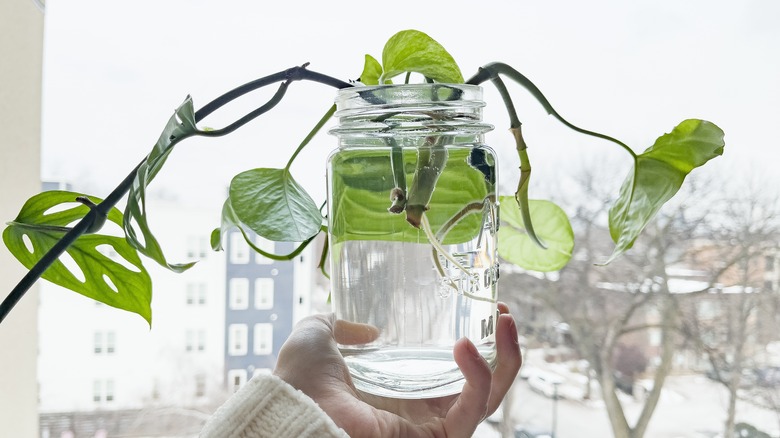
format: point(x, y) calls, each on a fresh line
point(103, 390)
point(200, 385)
point(110, 342)
point(239, 293)
point(261, 372)
point(197, 247)
point(267, 246)
point(104, 342)
point(109, 390)
point(201, 340)
point(264, 293)
point(196, 294)
point(195, 340)
point(769, 262)
point(236, 379)
point(237, 339)
point(98, 345)
point(239, 250)
point(264, 339)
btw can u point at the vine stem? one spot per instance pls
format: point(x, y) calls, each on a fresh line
point(494, 69)
point(97, 213)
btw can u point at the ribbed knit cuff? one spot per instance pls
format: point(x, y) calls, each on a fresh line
point(269, 407)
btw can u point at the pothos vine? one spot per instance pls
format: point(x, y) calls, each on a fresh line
point(37, 237)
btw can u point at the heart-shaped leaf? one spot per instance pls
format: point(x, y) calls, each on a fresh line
point(657, 175)
point(36, 230)
point(272, 204)
point(552, 226)
point(372, 69)
point(414, 51)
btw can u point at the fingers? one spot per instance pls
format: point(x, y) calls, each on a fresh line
point(508, 360)
point(352, 333)
point(471, 406)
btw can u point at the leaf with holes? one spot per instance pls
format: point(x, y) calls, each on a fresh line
point(180, 126)
point(118, 279)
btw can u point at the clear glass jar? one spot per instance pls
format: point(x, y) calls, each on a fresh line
point(412, 218)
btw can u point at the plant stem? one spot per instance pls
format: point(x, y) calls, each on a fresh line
point(492, 70)
point(100, 211)
point(311, 134)
point(521, 195)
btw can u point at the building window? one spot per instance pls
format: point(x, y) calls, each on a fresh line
point(103, 390)
point(98, 343)
point(262, 372)
point(200, 385)
point(195, 340)
point(264, 293)
point(110, 340)
point(197, 247)
point(104, 343)
point(236, 379)
point(239, 293)
point(267, 246)
point(196, 294)
point(264, 339)
point(237, 339)
point(109, 390)
point(239, 250)
point(769, 262)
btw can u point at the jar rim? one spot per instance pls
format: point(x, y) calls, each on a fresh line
point(409, 94)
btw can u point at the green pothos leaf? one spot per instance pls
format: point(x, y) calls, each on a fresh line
point(657, 175)
point(414, 51)
point(273, 205)
point(180, 126)
point(552, 226)
point(99, 274)
point(372, 69)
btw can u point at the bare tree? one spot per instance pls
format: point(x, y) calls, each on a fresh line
point(724, 322)
point(608, 308)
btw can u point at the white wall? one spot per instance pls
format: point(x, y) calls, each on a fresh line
point(21, 43)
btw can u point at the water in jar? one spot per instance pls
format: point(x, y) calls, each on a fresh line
point(388, 274)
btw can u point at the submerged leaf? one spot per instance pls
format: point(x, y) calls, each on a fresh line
point(100, 277)
point(552, 225)
point(414, 51)
point(274, 205)
point(657, 175)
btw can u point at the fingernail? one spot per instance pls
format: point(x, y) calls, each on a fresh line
point(514, 331)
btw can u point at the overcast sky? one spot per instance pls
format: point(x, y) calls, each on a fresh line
point(115, 71)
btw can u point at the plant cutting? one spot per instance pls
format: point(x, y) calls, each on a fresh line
point(535, 234)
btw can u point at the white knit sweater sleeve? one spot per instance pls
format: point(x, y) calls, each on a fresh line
point(269, 407)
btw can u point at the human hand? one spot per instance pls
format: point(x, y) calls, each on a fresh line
point(311, 362)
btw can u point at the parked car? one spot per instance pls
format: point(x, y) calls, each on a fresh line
point(532, 432)
point(545, 383)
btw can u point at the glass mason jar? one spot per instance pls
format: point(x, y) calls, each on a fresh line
point(412, 216)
